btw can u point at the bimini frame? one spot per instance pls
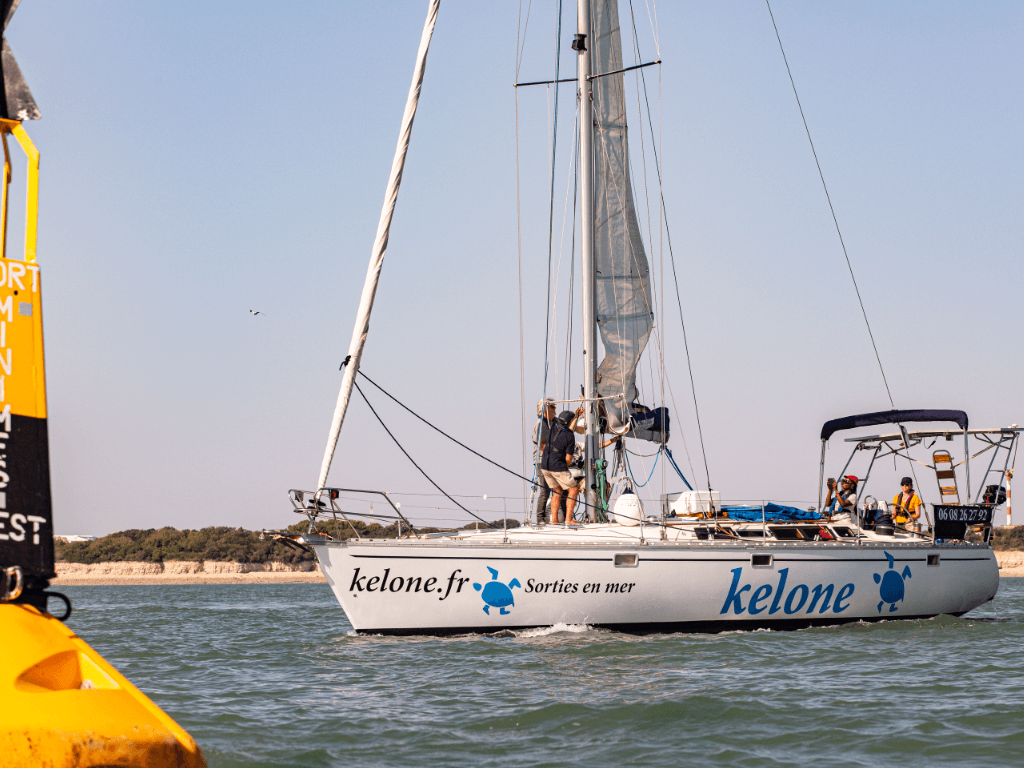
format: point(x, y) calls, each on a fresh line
point(899, 444)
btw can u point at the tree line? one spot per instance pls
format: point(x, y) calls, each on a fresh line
point(155, 545)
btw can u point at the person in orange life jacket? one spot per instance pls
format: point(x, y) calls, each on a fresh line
point(845, 497)
point(907, 505)
point(554, 465)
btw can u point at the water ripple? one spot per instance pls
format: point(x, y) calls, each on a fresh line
point(272, 675)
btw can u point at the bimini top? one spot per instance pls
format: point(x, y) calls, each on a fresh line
point(890, 417)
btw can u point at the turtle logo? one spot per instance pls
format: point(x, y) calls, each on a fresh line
point(891, 589)
point(495, 594)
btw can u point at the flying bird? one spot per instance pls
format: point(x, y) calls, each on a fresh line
point(254, 313)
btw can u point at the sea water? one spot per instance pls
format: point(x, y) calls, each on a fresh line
point(272, 675)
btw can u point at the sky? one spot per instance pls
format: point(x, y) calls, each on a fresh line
point(203, 160)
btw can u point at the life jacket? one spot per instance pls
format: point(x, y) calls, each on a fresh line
point(842, 498)
point(901, 514)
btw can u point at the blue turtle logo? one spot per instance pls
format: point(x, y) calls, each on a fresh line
point(891, 589)
point(495, 594)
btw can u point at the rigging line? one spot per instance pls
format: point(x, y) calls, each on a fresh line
point(661, 252)
point(643, 159)
point(654, 26)
point(572, 262)
point(569, 179)
point(551, 201)
point(675, 278)
point(519, 50)
point(653, 467)
point(440, 431)
point(643, 150)
point(454, 440)
point(835, 220)
point(672, 461)
point(417, 506)
point(519, 254)
point(641, 455)
point(410, 458)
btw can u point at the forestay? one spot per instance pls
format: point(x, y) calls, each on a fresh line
point(380, 246)
point(623, 291)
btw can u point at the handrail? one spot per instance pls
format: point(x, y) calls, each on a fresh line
point(317, 498)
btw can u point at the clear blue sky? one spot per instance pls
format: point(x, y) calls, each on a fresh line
point(201, 160)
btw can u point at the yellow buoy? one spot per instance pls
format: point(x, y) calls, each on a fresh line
point(61, 703)
point(64, 705)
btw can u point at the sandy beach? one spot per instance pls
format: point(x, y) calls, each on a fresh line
point(1011, 562)
point(185, 572)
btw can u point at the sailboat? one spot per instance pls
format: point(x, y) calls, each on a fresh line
point(698, 565)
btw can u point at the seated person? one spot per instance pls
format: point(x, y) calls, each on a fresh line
point(906, 506)
point(845, 496)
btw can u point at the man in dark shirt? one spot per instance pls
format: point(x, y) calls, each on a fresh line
point(554, 465)
point(541, 430)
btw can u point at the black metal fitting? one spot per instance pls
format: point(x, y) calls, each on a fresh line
point(579, 42)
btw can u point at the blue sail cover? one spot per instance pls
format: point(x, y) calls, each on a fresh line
point(772, 513)
point(891, 417)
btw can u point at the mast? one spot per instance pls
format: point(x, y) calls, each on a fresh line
point(584, 45)
point(380, 246)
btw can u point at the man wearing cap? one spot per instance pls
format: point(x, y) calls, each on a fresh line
point(554, 466)
point(541, 432)
point(846, 496)
point(906, 506)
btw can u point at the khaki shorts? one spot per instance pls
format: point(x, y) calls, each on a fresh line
point(560, 480)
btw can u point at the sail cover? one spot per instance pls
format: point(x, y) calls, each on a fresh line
point(622, 291)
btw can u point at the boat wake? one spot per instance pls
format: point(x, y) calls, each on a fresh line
point(552, 630)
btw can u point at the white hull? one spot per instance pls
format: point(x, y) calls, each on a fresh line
point(426, 586)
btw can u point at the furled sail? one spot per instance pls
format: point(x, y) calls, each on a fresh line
point(380, 246)
point(623, 291)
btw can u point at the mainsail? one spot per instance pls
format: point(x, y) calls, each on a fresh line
point(623, 292)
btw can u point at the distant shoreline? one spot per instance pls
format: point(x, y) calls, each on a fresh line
point(1011, 562)
point(185, 572)
point(1011, 565)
